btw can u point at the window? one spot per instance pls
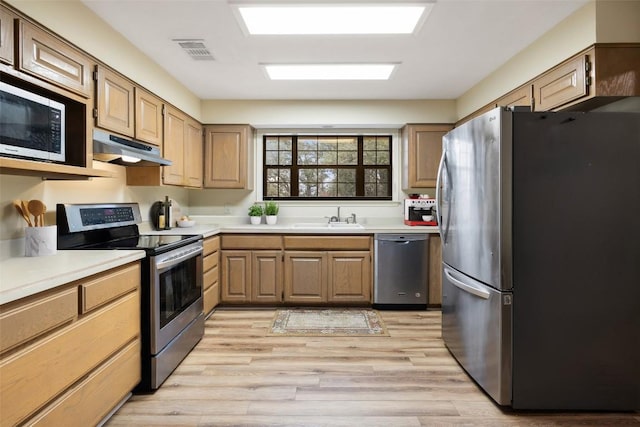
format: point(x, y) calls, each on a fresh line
point(325, 167)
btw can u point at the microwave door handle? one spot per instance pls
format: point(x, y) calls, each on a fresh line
point(467, 287)
point(171, 262)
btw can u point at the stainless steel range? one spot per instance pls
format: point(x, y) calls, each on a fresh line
point(172, 322)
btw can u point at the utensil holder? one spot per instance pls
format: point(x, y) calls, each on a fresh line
point(40, 241)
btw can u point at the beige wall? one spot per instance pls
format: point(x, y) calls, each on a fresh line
point(601, 21)
point(79, 25)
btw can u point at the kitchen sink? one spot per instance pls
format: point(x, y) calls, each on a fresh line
point(330, 225)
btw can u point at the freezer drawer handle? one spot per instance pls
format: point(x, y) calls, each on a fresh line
point(472, 289)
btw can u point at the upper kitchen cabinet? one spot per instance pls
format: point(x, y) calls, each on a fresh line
point(182, 144)
point(421, 152)
point(114, 102)
point(227, 156)
point(49, 58)
point(520, 97)
point(148, 117)
point(602, 74)
point(6, 36)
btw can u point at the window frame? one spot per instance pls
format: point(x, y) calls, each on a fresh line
point(360, 167)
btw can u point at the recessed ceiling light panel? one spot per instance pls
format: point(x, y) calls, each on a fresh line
point(334, 18)
point(329, 71)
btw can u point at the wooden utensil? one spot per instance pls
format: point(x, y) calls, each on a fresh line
point(18, 205)
point(37, 209)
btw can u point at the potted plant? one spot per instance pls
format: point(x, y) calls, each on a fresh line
point(255, 213)
point(271, 209)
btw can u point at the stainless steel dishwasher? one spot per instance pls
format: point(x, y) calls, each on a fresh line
point(401, 271)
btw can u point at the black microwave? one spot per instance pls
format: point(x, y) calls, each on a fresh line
point(31, 126)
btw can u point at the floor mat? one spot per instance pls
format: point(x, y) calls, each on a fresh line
point(328, 322)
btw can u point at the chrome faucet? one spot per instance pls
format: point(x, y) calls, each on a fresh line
point(335, 218)
point(351, 219)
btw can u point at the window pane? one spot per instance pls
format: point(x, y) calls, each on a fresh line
point(271, 158)
point(284, 190)
point(382, 190)
point(327, 157)
point(346, 175)
point(370, 175)
point(383, 143)
point(327, 175)
point(307, 143)
point(285, 175)
point(347, 157)
point(346, 190)
point(308, 190)
point(369, 158)
point(327, 190)
point(383, 175)
point(370, 190)
point(308, 175)
point(272, 175)
point(285, 157)
point(327, 143)
point(272, 190)
point(347, 144)
point(369, 143)
point(383, 158)
point(272, 143)
point(307, 158)
point(285, 143)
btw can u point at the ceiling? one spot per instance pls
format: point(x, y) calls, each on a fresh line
point(460, 43)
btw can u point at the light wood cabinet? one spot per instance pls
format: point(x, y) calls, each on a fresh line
point(421, 152)
point(251, 268)
point(562, 84)
point(435, 271)
point(520, 97)
point(193, 155)
point(115, 102)
point(175, 135)
point(305, 277)
point(349, 276)
point(228, 156)
point(210, 275)
point(148, 117)
point(51, 59)
point(71, 354)
point(6, 36)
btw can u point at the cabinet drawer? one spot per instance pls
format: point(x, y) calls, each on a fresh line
point(53, 60)
point(103, 288)
point(211, 298)
point(28, 320)
point(35, 375)
point(251, 241)
point(210, 277)
point(327, 242)
point(211, 245)
point(90, 401)
point(210, 261)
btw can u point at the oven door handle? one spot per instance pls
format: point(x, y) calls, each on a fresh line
point(177, 259)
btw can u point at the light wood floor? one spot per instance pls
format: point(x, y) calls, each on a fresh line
point(238, 376)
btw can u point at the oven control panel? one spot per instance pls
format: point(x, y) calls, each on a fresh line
point(84, 217)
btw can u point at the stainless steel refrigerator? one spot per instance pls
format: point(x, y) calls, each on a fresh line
point(540, 226)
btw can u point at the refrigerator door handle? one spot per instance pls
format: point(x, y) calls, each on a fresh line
point(441, 169)
point(467, 287)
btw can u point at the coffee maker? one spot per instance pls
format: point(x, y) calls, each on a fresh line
point(420, 211)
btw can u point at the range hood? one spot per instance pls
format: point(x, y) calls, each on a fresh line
point(122, 151)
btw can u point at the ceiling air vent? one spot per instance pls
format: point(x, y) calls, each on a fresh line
point(195, 48)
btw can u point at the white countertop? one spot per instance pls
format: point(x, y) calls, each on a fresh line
point(22, 276)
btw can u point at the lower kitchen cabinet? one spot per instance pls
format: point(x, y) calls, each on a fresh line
point(210, 274)
point(349, 276)
point(266, 276)
point(69, 355)
point(305, 277)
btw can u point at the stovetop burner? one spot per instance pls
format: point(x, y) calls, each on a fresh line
point(149, 242)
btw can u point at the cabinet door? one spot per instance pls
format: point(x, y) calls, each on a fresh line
point(349, 276)
point(148, 113)
point(226, 156)
point(235, 276)
point(435, 271)
point(266, 276)
point(193, 155)
point(521, 97)
point(422, 149)
point(115, 102)
point(305, 277)
point(6, 36)
point(53, 60)
point(564, 83)
point(175, 130)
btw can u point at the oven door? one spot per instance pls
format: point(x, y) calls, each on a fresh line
point(176, 293)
